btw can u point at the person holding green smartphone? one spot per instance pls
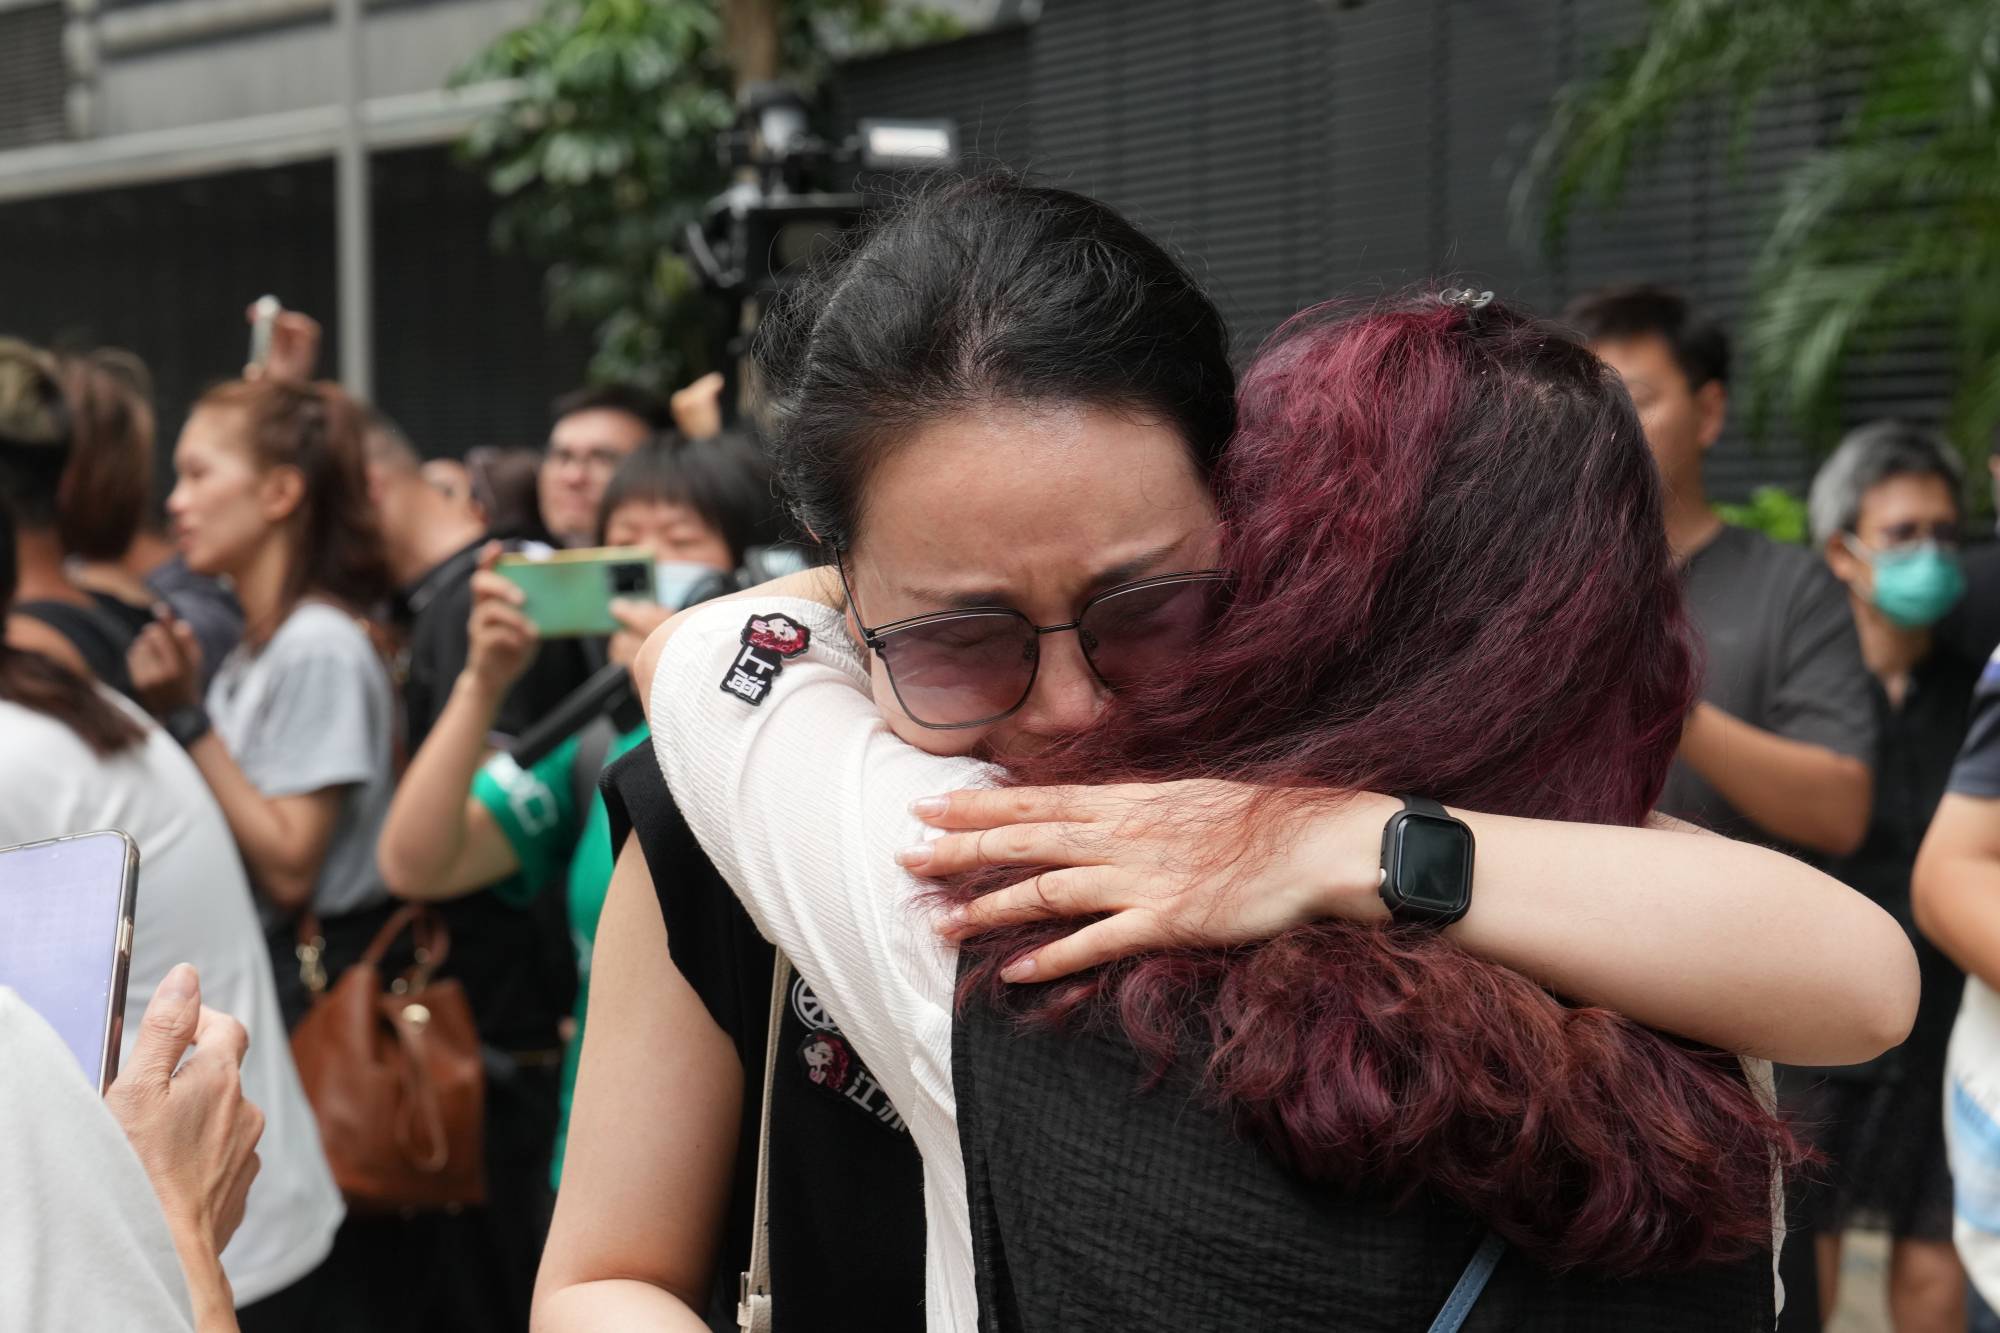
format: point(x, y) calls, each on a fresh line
point(464, 819)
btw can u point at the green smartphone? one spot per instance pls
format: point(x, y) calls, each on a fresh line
point(568, 594)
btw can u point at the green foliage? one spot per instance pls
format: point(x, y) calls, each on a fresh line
point(1773, 511)
point(609, 150)
point(1884, 234)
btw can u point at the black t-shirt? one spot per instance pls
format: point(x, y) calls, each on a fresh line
point(1781, 654)
point(1916, 747)
point(516, 963)
point(101, 640)
point(1100, 1198)
point(846, 1181)
point(1972, 628)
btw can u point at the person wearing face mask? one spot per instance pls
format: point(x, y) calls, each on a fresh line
point(1885, 513)
point(462, 821)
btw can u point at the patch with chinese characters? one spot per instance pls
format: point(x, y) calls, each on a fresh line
point(769, 641)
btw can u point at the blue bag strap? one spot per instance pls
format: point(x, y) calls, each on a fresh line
point(1471, 1282)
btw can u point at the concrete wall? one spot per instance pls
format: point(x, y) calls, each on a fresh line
point(253, 71)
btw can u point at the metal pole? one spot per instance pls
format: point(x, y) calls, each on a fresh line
point(356, 262)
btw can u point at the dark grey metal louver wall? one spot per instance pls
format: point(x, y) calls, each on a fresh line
point(33, 79)
point(166, 271)
point(1297, 151)
point(463, 352)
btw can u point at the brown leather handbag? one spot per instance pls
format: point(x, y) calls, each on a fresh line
point(394, 1075)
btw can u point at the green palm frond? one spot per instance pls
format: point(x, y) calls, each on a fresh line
point(1889, 229)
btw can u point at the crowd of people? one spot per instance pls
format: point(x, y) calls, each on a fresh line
point(1355, 843)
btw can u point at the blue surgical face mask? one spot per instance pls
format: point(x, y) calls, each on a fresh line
point(676, 583)
point(1914, 585)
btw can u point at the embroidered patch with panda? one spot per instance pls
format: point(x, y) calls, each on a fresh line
point(769, 641)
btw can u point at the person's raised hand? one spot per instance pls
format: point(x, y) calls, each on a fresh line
point(165, 663)
point(501, 641)
point(636, 619)
point(295, 339)
point(697, 407)
point(1163, 866)
point(188, 1120)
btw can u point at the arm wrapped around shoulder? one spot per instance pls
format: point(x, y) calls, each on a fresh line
point(1389, 1059)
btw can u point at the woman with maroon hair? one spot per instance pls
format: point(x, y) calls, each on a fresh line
point(1441, 531)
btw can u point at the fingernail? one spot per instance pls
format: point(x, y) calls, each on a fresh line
point(913, 856)
point(179, 986)
point(927, 807)
point(952, 922)
point(1021, 969)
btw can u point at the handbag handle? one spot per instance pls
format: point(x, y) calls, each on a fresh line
point(428, 932)
point(433, 946)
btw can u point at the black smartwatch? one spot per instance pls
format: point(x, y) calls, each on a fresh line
point(187, 724)
point(1426, 864)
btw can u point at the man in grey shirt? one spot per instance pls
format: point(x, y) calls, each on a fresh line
point(1778, 750)
point(1780, 747)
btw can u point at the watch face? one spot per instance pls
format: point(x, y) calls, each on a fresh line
point(1432, 863)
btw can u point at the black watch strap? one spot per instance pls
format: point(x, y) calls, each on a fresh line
point(187, 724)
point(1424, 805)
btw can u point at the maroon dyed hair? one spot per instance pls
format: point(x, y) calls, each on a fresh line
point(1451, 578)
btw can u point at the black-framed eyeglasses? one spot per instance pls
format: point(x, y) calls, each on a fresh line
point(969, 668)
point(1944, 532)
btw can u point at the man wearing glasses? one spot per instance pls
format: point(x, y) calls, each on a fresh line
point(595, 428)
point(1885, 513)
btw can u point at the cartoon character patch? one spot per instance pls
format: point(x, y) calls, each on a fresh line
point(827, 1059)
point(831, 1064)
point(769, 641)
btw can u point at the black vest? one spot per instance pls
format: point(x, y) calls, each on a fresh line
point(847, 1200)
point(1099, 1206)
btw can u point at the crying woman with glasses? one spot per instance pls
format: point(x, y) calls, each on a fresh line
point(1219, 823)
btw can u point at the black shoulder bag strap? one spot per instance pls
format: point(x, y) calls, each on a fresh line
point(593, 747)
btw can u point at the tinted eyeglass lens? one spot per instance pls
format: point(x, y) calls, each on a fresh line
point(961, 669)
point(1141, 632)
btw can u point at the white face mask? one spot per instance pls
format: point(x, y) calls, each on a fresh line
point(681, 583)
